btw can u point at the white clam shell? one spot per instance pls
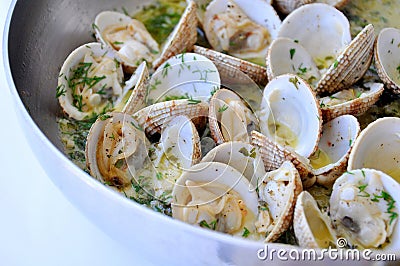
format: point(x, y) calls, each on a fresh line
point(337, 139)
point(266, 17)
point(289, 103)
point(110, 134)
point(242, 156)
point(361, 204)
point(311, 227)
point(378, 147)
point(387, 53)
point(211, 183)
point(340, 61)
point(229, 117)
point(354, 101)
point(131, 45)
point(279, 190)
point(111, 78)
point(187, 75)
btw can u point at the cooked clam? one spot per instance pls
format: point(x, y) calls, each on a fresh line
point(116, 149)
point(341, 61)
point(234, 27)
point(229, 118)
point(127, 36)
point(274, 155)
point(354, 101)
point(313, 228)
point(152, 118)
point(387, 54)
point(91, 82)
point(242, 156)
point(287, 6)
point(378, 147)
point(364, 207)
point(216, 196)
point(184, 76)
point(278, 192)
point(134, 44)
point(337, 139)
point(290, 114)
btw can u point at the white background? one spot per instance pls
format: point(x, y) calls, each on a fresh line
point(38, 226)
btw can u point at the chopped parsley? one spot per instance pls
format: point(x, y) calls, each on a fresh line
point(294, 80)
point(292, 52)
point(212, 225)
point(246, 232)
point(60, 90)
point(222, 108)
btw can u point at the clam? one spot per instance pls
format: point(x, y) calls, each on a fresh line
point(127, 36)
point(134, 44)
point(230, 66)
point(378, 147)
point(216, 196)
point(337, 64)
point(177, 151)
point(139, 81)
point(354, 101)
point(312, 228)
point(234, 26)
point(184, 76)
point(152, 118)
point(278, 191)
point(229, 118)
point(274, 155)
point(290, 114)
point(116, 149)
point(242, 156)
point(387, 53)
point(119, 154)
point(364, 208)
point(91, 82)
point(337, 139)
point(287, 6)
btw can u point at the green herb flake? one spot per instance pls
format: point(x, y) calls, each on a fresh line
point(335, 64)
point(350, 142)
point(223, 108)
point(60, 90)
point(244, 151)
point(118, 43)
point(119, 163)
point(192, 101)
point(246, 232)
point(292, 52)
point(203, 223)
point(104, 117)
point(159, 176)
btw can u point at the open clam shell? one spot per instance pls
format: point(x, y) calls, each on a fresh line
point(216, 196)
point(364, 208)
point(242, 156)
point(139, 81)
point(387, 53)
point(354, 101)
point(341, 61)
point(134, 44)
point(184, 76)
point(177, 151)
point(274, 155)
point(234, 27)
point(290, 114)
point(229, 118)
point(153, 117)
point(378, 147)
point(182, 38)
point(128, 37)
point(337, 140)
point(90, 82)
point(288, 6)
point(278, 190)
point(116, 148)
point(229, 64)
point(312, 228)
